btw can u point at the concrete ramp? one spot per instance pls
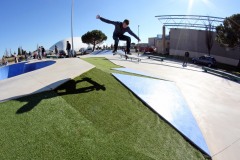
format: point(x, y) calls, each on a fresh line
point(44, 79)
point(167, 101)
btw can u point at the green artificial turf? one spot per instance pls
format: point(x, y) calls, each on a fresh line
point(90, 117)
point(105, 65)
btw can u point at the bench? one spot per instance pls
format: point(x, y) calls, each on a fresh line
point(156, 57)
point(225, 74)
point(52, 56)
point(130, 57)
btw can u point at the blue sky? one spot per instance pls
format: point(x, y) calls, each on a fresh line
point(27, 23)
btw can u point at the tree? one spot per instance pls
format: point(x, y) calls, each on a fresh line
point(209, 37)
point(19, 51)
point(94, 37)
point(228, 33)
point(6, 53)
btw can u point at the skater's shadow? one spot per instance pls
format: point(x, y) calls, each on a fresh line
point(69, 87)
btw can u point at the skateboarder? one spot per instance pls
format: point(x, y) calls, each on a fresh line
point(120, 29)
point(68, 48)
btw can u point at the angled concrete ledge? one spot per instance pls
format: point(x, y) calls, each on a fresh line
point(167, 101)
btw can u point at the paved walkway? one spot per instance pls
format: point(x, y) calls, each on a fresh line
point(213, 100)
point(44, 79)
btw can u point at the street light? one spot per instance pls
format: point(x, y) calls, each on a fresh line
point(72, 27)
point(138, 41)
point(138, 30)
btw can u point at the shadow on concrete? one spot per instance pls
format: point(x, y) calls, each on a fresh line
point(222, 76)
point(150, 62)
point(70, 87)
point(44, 89)
point(180, 66)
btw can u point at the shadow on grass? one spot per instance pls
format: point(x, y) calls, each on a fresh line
point(69, 87)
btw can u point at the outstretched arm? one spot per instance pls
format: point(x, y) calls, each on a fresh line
point(133, 34)
point(105, 20)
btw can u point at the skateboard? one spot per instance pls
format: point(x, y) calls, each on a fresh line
point(129, 57)
point(122, 55)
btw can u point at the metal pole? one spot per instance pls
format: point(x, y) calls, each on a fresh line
point(138, 41)
point(164, 39)
point(72, 27)
point(138, 31)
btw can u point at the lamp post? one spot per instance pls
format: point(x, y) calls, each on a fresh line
point(138, 30)
point(72, 27)
point(138, 41)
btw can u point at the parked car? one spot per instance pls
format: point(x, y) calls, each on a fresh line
point(146, 49)
point(205, 60)
point(62, 54)
point(48, 52)
point(88, 51)
point(85, 50)
point(81, 50)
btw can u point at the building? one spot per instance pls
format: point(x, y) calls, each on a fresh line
point(157, 42)
point(78, 44)
point(194, 41)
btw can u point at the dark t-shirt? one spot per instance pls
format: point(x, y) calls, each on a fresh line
point(68, 46)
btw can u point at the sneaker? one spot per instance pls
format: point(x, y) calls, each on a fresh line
point(114, 52)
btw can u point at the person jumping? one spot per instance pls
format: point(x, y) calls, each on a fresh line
point(120, 29)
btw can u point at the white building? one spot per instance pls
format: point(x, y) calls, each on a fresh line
point(78, 44)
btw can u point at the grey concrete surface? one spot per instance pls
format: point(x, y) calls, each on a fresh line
point(44, 79)
point(213, 100)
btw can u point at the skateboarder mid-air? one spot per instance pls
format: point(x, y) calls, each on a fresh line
point(120, 29)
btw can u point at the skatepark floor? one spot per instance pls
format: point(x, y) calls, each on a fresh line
point(91, 116)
